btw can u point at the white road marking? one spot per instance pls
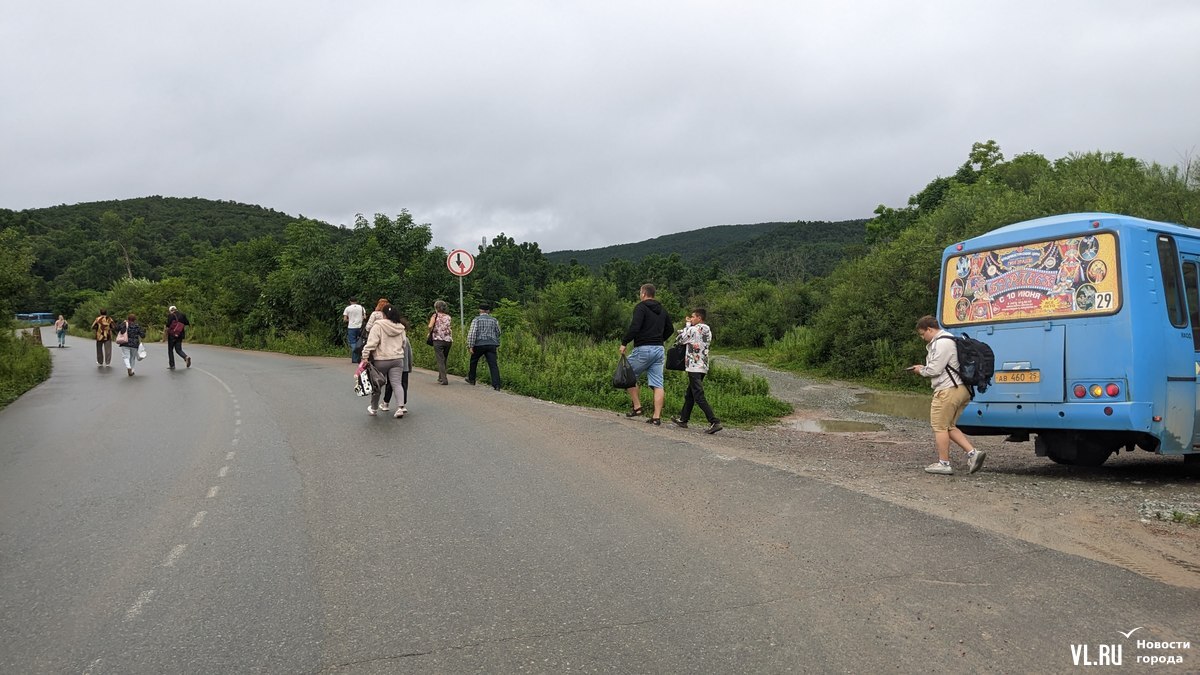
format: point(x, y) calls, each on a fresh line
point(212, 491)
point(227, 389)
point(136, 609)
point(199, 518)
point(174, 555)
point(223, 472)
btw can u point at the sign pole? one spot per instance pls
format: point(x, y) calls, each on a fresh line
point(460, 263)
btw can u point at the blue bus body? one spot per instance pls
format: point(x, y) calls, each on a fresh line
point(37, 317)
point(1094, 319)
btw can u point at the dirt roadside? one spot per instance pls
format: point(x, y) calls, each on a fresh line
point(1106, 514)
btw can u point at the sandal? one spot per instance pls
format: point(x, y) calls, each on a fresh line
point(636, 412)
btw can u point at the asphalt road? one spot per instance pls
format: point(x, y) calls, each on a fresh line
point(246, 515)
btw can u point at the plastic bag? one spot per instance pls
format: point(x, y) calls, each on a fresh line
point(141, 351)
point(623, 377)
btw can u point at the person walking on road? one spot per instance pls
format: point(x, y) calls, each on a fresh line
point(60, 329)
point(385, 352)
point(377, 315)
point(353, 317)
point(698, 337)
point(950, 397)
point(177, 323)
point(649, 329)
point(483, 339)
point(442, 335)
point(103, 328)
point(129, 338)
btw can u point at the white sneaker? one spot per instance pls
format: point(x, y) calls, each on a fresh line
point(370, 411)
point(975, 461)
point(939, 468)
point(383, 406)
point(399, 413)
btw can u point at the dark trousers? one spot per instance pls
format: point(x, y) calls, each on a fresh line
point(174, 345)
point(356, 346)
point(488, 352)
point(103, 352)
point(695, 396)
point(441, 351)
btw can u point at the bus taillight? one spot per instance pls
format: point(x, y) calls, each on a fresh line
point(1080, 391)
point(1112, 389)
point(1097, 390)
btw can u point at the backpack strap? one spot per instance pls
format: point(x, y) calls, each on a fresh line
point(951, 370)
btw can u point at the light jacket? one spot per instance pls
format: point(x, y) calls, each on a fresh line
point(941, 354)
point(385, 341)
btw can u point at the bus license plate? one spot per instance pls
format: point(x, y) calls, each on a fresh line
point(1018, 376)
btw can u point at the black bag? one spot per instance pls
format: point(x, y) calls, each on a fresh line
point(677, 357)
point(378, 379)
point(976, 362)
point(623, 377)
point(429, 338)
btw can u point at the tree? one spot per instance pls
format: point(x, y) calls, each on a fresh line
point(16, 259)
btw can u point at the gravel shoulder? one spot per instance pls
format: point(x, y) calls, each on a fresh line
point(1106, 514)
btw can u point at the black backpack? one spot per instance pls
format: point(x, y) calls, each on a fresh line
point(976, 362)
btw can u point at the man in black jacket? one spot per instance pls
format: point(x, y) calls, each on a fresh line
point(648, 330)
point(175, 336)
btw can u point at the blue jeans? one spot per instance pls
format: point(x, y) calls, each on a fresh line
point(649, 359)
point(355, 346)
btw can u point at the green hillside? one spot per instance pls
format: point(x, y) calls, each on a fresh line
point(795, 249)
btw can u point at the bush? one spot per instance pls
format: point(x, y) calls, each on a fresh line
point(23, 365)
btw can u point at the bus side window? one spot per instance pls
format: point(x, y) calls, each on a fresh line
point(1168, 262)
point(1191, 288)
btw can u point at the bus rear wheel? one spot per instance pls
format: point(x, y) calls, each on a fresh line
point(1074, 449)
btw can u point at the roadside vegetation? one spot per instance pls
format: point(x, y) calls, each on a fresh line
point(835, 300)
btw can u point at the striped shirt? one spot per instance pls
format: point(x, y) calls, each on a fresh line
point(485, 330)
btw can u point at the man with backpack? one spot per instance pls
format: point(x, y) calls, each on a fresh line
point(177, 322)
point(950, 396)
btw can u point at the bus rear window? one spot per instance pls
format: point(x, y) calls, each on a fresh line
point(1059, 278)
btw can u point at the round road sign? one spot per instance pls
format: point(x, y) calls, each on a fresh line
point(460, 263)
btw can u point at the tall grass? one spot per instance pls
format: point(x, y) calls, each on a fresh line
point(23, 365)
point(574, 370)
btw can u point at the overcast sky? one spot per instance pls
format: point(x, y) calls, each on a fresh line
point(575, 124)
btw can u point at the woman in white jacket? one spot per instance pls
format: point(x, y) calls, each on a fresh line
point(385, 351)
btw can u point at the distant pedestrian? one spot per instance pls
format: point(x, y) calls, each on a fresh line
point(60, 329)
point(353, 317)
point(103, 328)
point(176, 329)
point(950, 397)
point(377, 315)
point(650, 327)
point(129, 338)
point(698, 337)
point(385, 351)
point(441, 332)
point(483, 339)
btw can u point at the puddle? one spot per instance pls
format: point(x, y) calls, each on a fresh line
point(835, 426)
point(914, 406)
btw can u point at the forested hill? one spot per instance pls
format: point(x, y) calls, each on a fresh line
point(84, 246)
point(794, 249)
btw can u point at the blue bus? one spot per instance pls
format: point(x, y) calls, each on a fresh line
point(37, 317)
point(1095, 322)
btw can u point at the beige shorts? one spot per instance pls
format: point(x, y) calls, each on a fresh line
point(947, 407)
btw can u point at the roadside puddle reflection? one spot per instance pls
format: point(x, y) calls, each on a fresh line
point(835, 426)
point(913, 406)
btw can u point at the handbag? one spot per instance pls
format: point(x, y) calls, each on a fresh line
point(429, 338)
point(623, 376)
point(376, 377)
point(677, 357)
point(123, 337)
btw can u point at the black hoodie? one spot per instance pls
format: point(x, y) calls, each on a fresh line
point(650, 325)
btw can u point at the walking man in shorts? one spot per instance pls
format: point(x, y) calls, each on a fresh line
point(648, 330)
point(950, 396)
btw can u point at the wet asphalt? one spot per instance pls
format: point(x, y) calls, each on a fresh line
point(247, 515)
